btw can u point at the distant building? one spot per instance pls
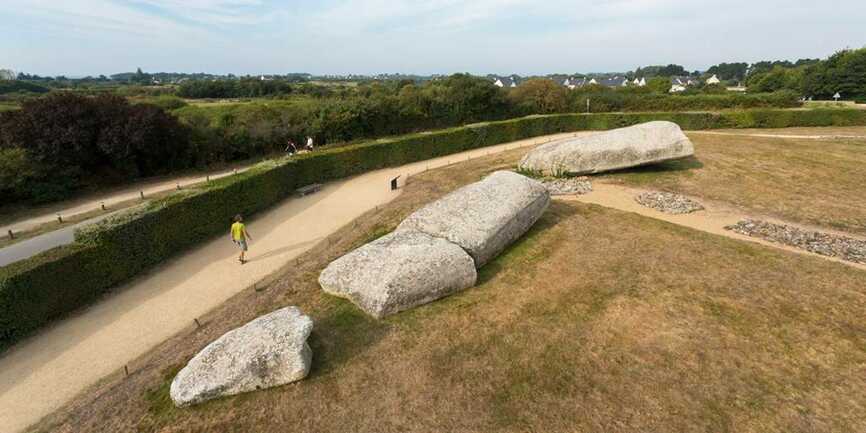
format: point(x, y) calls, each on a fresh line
point(505, 81)
point(680, 84)
point(8, 74)
point(713, 80)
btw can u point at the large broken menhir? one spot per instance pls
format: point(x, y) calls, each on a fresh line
point(647, 143)
point(436, 250)
point(268, 351)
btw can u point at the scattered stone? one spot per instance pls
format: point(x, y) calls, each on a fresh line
point(668, 202)
point(399, 271)
point(568, 185)
point(826, 244)
point(484, 217)
point(647, 143)
point(269, 351)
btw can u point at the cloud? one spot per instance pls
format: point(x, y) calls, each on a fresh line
point(522, 36)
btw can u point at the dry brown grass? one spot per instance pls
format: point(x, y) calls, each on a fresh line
point(816, 182)
point(596, 321)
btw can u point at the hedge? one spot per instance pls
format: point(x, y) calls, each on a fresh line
point(55, 282)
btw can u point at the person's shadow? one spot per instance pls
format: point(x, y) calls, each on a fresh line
point(281, 250)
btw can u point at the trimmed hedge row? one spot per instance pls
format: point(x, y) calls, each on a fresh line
point(53, 283)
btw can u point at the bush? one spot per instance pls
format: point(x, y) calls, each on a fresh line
point(120, 247)
point(67, 139)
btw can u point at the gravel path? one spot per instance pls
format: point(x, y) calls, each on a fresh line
point(668, 202)
point(568, 186)
point(826, 244)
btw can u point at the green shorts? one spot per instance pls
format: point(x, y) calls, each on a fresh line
point(242, 244)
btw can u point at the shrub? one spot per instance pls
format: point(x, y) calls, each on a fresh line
point(31, 292)
point(68, 138)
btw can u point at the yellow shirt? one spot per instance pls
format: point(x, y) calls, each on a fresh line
point(238, 231)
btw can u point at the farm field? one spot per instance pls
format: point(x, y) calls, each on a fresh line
point(596, 320)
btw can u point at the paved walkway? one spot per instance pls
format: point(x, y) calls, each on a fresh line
point(42, 373)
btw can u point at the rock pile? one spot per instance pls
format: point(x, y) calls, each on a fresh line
point(268, 351)
point(647, 143)
point(568, 185)
point(668, 202)
point(826, 244)
point(434, 252)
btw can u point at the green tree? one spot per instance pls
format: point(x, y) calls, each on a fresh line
point(659, 84)
point(540, 96)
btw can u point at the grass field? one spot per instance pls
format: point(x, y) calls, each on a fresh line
point(815, 182)
point(595, 321)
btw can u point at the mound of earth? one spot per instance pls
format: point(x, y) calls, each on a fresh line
point(484, 217)
point(399, 271)
point(826, 244)
point(268, 351)
point(647, 143)
point(668, 202)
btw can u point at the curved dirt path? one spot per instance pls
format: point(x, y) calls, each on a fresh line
point(71, 208)
point(797, 136)
point(42, 373)
point(712, 219)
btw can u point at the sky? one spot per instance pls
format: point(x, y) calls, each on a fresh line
point(92, 37)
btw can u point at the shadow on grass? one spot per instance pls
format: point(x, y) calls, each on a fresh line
point(650, 172)
point(523, 250)
point(342, 334)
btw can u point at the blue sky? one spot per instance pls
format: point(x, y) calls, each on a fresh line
point(81, 37)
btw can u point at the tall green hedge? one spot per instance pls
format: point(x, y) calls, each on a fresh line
point(48, 285)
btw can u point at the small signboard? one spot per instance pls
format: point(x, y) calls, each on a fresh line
point(837, 96)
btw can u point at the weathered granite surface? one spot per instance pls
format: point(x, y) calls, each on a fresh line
point(484, 217)
point(268, 351)
point(647, 143)
point(399, 271)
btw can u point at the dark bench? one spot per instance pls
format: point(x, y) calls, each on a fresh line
point(309, 189)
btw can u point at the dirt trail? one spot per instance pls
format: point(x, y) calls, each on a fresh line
point(42, 373)
point(798, 136)
point(93, 202)
point(712, 219)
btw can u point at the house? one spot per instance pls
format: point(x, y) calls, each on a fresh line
point(680, 84)
point(713, 80)
point(573, 83)
point(505, 81)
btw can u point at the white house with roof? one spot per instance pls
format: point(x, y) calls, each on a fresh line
point(713, 80)
point(505, 81)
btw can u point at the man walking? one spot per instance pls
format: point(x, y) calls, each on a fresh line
point(240, 236)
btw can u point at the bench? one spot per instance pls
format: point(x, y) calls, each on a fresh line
point(309, 189)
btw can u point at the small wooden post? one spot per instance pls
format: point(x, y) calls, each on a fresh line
point(207, 178)
point(11, 235)
point(197, 324)
point(102, 205)
point(60, 218)
point(126, 370)
point(178, 187)
point(141, 194)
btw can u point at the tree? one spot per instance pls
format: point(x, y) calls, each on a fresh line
point(729, 71)
point(843, 72)
point(659, 84)
point(540, 96)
